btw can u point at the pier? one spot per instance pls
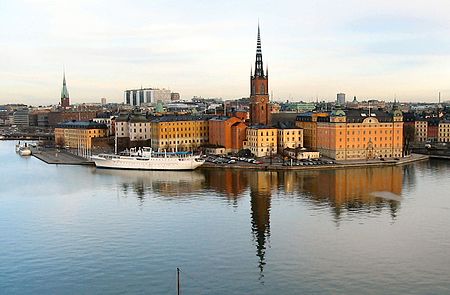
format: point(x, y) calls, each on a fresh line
point(55, 156)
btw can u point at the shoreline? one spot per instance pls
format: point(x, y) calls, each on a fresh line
point(52, 156)
point(339, 165)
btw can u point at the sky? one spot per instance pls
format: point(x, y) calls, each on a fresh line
point(314, 49)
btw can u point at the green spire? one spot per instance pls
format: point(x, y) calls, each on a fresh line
point(64, 91)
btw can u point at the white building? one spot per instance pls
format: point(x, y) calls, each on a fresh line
point(146, 96)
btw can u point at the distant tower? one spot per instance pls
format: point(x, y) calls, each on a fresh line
point(65, 103)
point(259, 90)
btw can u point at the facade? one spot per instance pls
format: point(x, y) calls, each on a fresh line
point(259, 91)
point(146, 96)
point(65, 101)
point(357, 134)
point(21, 117)
point(228, 133)
point(444, 131)
point(261, 140)
point(179, 133)
point(56, 117)
point(308, 122)
point(108, 120)
point(421, 130)
point(78, 134)
point(289, 138)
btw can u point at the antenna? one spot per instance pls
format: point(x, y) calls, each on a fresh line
point(439, 97)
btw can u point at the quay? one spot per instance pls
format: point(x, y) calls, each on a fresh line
point(336, 165)
point(61, 157)
point(55, 156)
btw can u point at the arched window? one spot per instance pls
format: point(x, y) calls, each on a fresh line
point(262, 90)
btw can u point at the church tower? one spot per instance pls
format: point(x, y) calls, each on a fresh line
point(259, 90)
point(65, 103)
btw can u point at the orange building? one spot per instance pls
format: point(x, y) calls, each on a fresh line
point(308, 122)
point(227, 132)
point(360, 134)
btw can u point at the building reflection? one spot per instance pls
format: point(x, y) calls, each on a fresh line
point(353, 190)
point(230, 183)
point(362, 191)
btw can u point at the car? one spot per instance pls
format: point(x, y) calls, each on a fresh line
point(231, 161)
point(257, 162)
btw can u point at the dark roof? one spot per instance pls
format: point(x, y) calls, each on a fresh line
point(81, 125)
point(357, 116)
point(261, 127)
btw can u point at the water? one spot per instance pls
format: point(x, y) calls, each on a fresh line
point(78, 230)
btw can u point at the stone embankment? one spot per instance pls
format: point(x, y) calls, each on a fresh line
point(336, 165)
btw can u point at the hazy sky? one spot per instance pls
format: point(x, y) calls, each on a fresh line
point(371, 49)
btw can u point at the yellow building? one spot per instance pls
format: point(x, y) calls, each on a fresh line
point(79, 134)
point(182, 133)
point(421, 131)
point(308, 122)
point(444, 131)
point(289, 138)
point(261, 140)
point(360, 134)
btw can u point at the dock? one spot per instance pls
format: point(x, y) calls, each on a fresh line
point(55, 156)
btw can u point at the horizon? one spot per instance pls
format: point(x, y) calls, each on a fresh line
point(374, 50)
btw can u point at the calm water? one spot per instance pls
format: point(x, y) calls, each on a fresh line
point(78, 230)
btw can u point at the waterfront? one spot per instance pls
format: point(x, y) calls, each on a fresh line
point(75, 229)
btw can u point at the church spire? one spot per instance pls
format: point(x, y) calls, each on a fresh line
point(259, 70)
point(64, 91)
point(65, 102)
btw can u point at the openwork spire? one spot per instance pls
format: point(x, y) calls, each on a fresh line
point(259, 70)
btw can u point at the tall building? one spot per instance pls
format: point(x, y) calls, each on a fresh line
point(65, 103)
point(340, 99)
point(145, 96)
point(259, 90)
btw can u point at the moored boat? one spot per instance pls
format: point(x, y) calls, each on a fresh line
point(25, 151)
point(146, 159)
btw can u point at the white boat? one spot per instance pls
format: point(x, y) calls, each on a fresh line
point(25, 151)
point(146, 159)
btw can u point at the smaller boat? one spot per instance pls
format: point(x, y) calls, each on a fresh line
point(25, 151)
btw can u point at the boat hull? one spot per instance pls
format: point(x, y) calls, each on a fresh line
point(136, 163)
point(25, 152)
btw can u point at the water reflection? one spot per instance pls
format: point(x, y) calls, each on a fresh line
point(364, 191)
point(164, 183)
